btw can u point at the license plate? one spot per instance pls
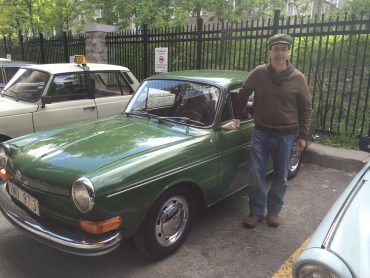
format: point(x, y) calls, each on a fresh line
point(30, 202)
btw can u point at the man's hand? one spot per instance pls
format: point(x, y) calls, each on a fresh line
point(233, 124)
point(236, 123)
point(301, 144)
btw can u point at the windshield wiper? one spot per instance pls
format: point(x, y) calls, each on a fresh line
point(146, 114)
point(142, 113)
point(182, 119)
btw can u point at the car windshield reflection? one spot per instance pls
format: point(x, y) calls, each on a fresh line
point(185, 102)
point(26, 85)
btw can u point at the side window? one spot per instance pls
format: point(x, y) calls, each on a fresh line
point(10, 71)
point(68, 87)
point(229, 112)
point(109, 84)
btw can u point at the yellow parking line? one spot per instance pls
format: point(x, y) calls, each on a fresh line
point(285, 271)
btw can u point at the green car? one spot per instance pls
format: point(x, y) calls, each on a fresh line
point(85, 187)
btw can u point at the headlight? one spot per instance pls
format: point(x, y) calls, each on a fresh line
point(83, 194)
point(315, 271)
point(3, 158)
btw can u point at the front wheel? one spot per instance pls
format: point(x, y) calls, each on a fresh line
point(294, 163)
point(167, 224)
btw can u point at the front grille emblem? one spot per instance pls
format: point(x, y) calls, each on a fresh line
point(18, 175)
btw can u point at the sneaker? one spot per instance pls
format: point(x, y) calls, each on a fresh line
point(273, 219)
point(251, 221)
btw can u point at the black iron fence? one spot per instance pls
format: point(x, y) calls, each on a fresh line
point(43, 50)
point(333, 54)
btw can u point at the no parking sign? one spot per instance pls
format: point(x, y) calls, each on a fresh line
point(161, 59)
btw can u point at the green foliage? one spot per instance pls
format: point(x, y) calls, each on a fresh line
point(340, 141)
point(357, 7)
point(48, 16)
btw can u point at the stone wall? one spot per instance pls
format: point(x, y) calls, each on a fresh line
point(96, 50)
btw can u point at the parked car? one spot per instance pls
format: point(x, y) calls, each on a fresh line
point(340, 245)
point(85, 187)
point(8, 69)
point(40, 97)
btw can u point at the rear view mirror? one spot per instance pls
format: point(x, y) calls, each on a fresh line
point(45, 100)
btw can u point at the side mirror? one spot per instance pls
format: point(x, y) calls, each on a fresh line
point(45, 100)
point(231, 125)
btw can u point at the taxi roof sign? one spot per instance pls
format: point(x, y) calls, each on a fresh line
point(80, 59)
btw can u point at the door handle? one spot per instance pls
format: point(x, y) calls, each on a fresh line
point(89, 108)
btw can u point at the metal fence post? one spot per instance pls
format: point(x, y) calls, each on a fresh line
point(275, 26)
point(5, 48)
point(42, 50)
point(20, 40)
point(66, 52)
point(145, 50)
point(199, 43)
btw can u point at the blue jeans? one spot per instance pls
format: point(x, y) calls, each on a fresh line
point(279, 146)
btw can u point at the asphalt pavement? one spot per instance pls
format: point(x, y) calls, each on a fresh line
point(218, 245)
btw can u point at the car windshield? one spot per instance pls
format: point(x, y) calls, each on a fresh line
point(186, 102)
point(26, 85)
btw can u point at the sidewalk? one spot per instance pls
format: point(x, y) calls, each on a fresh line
point(338, 158)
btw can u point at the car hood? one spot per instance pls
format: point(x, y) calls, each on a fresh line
point(65, 154)
point(344, 231)
point(9, 106)
point(351, 240)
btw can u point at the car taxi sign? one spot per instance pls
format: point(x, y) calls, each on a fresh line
point(80, 59)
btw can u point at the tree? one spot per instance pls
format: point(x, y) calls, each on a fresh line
point(357, 7)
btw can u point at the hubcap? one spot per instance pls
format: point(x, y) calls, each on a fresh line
point(171, 220)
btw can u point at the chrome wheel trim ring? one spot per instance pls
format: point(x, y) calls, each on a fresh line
point(171, 221)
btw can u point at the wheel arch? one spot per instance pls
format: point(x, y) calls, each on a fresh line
point(4, 138)
point(189, 185)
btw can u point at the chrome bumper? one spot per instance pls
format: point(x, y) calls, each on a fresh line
point(61, 239)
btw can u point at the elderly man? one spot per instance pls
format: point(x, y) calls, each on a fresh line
point(282, 113)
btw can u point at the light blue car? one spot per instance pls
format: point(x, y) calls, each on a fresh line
point(340, 246)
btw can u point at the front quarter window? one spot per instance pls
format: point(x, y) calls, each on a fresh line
point(27, 85)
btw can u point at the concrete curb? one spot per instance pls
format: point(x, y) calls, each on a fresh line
point(338, 158)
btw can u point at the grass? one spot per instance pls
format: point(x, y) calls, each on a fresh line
point(340, 141)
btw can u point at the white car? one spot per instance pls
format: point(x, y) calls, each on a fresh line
point(39, 97)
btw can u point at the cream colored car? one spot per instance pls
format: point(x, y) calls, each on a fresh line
point(39, 97)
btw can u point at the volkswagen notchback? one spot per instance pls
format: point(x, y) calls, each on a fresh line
point(83, 188)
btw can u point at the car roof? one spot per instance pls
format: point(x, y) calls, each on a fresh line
point(222, 78)
point(71, 67)
point(15, 63)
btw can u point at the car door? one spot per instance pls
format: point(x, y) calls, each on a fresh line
point(112, 92)
point(70, 100)
point(234, 147)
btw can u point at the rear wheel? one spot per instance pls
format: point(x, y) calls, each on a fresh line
point(167, 223)
point(295, 163)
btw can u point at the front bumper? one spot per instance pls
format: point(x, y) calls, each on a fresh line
point(62, 239)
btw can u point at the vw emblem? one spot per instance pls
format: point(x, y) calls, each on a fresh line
point(18, 175)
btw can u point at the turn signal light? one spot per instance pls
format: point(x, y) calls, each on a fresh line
point(100, 227)
point(4, 176)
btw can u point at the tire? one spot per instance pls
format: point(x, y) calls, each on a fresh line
point(167, 223)
point(294, 163)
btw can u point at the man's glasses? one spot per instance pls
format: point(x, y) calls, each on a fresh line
point(280, 49)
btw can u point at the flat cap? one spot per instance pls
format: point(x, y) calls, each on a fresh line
point(280, 38)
